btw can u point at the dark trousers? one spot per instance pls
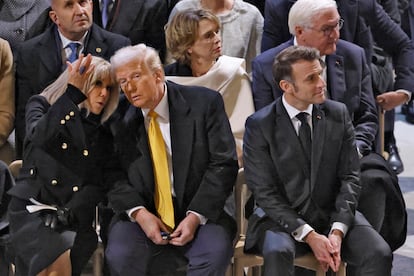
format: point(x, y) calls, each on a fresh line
point(130, 252)
point(362, 248)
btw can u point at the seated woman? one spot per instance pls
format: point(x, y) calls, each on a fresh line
point(66, 152)
point(241, 25)
point(194, 41)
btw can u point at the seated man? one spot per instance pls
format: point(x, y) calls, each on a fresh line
point(347, 76)
point(173, 181)
point(307, 187)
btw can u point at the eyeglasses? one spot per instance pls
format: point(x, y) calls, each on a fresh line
point(327, 30)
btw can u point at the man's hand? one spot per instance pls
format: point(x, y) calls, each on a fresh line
point(336, 241)
point(185, 231)
point(151, 225)
point(391, 99)
point(322, 249)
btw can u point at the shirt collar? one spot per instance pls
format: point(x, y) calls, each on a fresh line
point(66, 41)
point(292, 111)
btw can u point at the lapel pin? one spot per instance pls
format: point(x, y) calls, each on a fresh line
point(338, 62)
point(318, 117)
point(98, 50)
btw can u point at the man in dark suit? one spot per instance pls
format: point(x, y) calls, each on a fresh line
point(301, 163)
point(358, 15)
point(140, 20)
point(41, 59)
point(348, 81)
point(202, 167)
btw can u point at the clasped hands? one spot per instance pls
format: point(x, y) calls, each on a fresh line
point(153, 226)
point(57, 219)
point(327, 250)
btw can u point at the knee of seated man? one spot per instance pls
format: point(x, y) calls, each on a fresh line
point(278, 245)
point(379, 252)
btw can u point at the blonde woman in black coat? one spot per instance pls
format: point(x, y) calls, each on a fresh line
point(66, 152)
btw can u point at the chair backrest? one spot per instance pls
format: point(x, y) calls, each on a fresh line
point(242, 194)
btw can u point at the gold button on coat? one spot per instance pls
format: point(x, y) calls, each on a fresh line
point(75, 188)
point(72, 113)
point(54, 182)
point(85, 152)
point(64, 146)
point(62, 122)
point(67, 117)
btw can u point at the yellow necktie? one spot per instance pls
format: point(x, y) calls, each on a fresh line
point(162, 197)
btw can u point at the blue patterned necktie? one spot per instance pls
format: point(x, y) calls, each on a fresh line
point(105, 12)
point(74, 51)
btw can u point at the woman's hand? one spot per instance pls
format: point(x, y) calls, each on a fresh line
point(79, 71)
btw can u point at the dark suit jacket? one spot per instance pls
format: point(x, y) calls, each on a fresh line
point(275, 170)
point(203, 155)
point(39, 62)
point(348, 81)
point(141, 20)
point(358, 15)
point(276, 29)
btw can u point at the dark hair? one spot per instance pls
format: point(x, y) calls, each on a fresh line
point(282, 65)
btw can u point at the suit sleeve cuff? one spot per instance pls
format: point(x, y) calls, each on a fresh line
point(406, 92)
point(75, 94)
point(339, 226)
point(301, 232)
point(131, 211)
point(203, 219)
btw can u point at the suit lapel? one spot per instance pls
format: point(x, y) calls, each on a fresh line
point(336, 77)
point(182, 138)
point(318, 140)
point(132, 137)
point(95, 43)
point(50, 61)
point(289, 155)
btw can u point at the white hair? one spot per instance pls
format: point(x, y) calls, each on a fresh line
point(303, 12)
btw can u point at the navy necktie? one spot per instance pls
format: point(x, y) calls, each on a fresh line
point(105, 12)
point(305, 135)
point(74, 54)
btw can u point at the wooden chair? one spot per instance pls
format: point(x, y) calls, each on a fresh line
point(253, 263)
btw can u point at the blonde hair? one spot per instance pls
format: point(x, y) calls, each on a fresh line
point(101, 71)
point(182, 32)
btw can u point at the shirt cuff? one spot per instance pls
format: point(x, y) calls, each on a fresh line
point(203, 219)
point(406, 92)
point(301, 232)
point(130, 211)
point(339, 226)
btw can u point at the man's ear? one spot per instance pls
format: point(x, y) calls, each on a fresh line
point(159, 75)
point(286, 86)
point(53, 16)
